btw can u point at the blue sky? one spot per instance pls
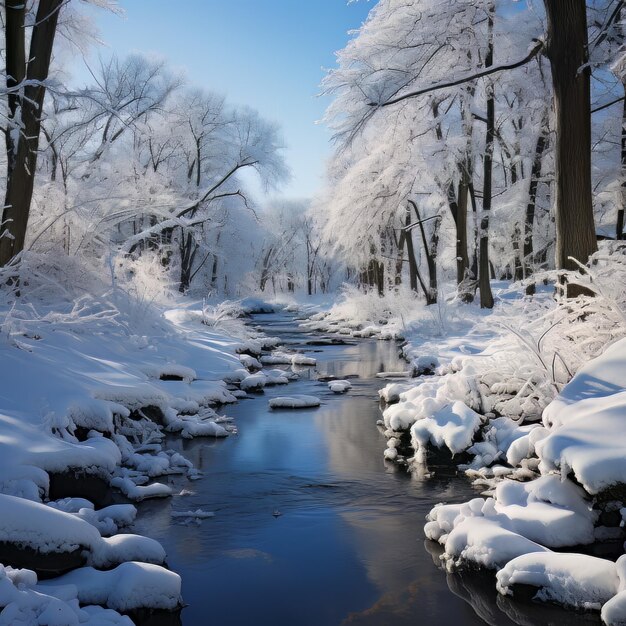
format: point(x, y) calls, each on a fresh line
point(268, 54)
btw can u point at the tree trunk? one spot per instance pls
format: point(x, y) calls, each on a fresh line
point(410, 250)
point(486, 297)
point(462, 260)
point(619, 228)
point(400, 258)
point(567, 51)
point(25, 108)
point(518, 263)
point(430, 251)
point(535, 175)
point(188, 250)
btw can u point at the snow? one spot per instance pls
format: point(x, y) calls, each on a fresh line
point(339, 386)
point(452, 426)
point(614, 611)
point(434, 399)
point(294, 402)
point(586, 423)
point(128, 586)
point(43, 528)
point(23, 601)
point(575, 580)
point(284, 358)
point(545, 511)
point(254, 382)
point(49, 530)
point(393, 392)
point(107, 520)
point(487, 543)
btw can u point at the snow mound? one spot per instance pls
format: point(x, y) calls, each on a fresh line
point(339, 386)
point(587, 426)
point(284, 358)
point(127, 587)
point(453, 426)
point(392, 393)
point(424, 365)
point(575, 580)
point(254, 382)
point(294, 402)
point(43, 528)
point(23, 602)
point(485, 542)
point(430, 396)
point(614, 611)
point(545, 511)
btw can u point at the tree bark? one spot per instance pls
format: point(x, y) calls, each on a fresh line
point(619, 227)
point(567, 50)
point(462, 259)
point(25, 109)
point(535, 175)
point(486, 297)
point(430, 251)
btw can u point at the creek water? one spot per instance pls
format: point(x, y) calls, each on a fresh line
point(312, 527)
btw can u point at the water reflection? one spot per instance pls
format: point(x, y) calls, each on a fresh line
point(478, 589)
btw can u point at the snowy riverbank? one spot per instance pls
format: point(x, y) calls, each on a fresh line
point(90, 387)
point(495, 391)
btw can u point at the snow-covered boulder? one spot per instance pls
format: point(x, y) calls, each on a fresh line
point(545, 511)
point(339, 386)
point(294, 402)
point(575, 580)
point(128, 587)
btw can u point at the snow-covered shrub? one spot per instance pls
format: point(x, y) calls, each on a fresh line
point(216, 314)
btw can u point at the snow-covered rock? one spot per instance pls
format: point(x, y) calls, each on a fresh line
point(452, 426)
point(127, 587)
point(575, 580)
point(545, 511)
point(294, 402)
point(339, 386)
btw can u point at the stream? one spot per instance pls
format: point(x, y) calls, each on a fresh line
point(312, 527)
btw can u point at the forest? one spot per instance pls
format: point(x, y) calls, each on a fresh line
point(388, 395)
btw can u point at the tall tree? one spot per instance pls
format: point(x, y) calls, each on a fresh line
point(566, 47)
point(26, 89)
point(486, 297)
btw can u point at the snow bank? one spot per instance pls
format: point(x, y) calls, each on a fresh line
point(484, 541)
point(587, 426)
point(545, 511)
point(90, 387)
point(45, 529)
point(128, 587)
point(24, 602)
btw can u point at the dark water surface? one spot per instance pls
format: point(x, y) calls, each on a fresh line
point(311, 526)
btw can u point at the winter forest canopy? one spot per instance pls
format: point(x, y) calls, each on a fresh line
point(462, 259)
point(448, 160)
